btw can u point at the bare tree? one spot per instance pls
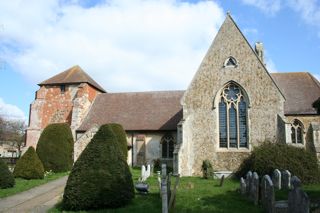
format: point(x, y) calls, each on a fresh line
point(13, 132)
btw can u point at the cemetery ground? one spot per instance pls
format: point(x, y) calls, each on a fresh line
point(23, 185)
point(194, 195)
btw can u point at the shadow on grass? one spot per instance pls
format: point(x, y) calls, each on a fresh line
point(230, 201)
point(141, 203)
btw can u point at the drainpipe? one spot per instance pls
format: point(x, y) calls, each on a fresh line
point(132, 149)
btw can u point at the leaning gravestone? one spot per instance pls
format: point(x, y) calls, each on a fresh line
point(276, 179)
point(248, 182)
point(242, 186)
point(285, 179)
point(298, 201)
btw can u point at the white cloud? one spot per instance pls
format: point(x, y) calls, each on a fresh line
point(12, 112)
point(125, 45)
point(268, 6)
point(309, 10)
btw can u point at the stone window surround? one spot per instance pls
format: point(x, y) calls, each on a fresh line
point(216, 102)
point(298, 124)
point(165, 140)
point(234, 61)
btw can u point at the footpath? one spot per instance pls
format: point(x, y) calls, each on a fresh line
point(36, 200)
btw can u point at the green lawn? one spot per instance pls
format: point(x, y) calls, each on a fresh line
point(195, 195)
point(23, 185)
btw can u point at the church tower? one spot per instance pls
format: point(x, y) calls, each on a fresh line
point(64, 98)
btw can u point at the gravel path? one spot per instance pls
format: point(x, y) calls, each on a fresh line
point(38, 199)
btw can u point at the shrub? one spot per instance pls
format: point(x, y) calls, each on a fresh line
point(55, 147)
point(6, 177)
point(206, 168)
point(100, 178)
point(29, 166)
point(270, 156)
point(121, 137)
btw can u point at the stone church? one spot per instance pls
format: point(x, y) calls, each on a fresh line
point(232, 105)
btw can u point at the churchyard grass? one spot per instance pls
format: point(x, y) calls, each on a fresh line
point(194, 195)
point(312, 190)
point(23, 185)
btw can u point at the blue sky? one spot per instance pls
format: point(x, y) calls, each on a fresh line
point(138, 45)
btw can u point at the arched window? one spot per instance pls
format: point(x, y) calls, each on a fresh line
point(233, 129)
point(297, 131)
point(167, 144)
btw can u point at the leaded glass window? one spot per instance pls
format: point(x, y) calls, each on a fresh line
point(233, 131)
point(167, 144)
point(297, 132)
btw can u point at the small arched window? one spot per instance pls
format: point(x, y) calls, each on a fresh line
point(167, 145)
point(297, 132)
point(233, 129)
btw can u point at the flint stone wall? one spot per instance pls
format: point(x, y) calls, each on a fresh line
point(200, 101)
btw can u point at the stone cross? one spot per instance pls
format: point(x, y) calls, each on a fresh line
point(286, 180)
point(242, 186)
point(248, 182)
point(276, 179)
point(298, 201)
point(254, 193)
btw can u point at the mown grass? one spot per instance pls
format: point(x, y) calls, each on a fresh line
point(194, 195)
point(23, 185)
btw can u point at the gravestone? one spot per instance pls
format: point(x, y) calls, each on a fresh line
point(298, 201)
point(242, 186)
point(221, 181)
point(267, 194)
point(248, 182)
point(164, 189)
point(276, 179)
point(254, 193)
point(143, 173)
point(148, 171)
point(285, 179)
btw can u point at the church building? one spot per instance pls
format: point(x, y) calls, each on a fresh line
point(231, 105)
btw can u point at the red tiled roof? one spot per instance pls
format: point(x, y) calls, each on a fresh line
point(72, 75)
point(136, 110)
point(300, 89)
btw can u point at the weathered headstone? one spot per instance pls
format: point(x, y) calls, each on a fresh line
point(298, 201)
point(285, 179)
point(254, 193)
point(248, 182)
point(143, 173)
point(267, 194)
point(164, 189)
point(221, 181)
point(148, 171)
point(276, 179)
point(242, 186)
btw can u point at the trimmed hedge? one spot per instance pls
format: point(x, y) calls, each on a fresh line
point(267, 157)
point(55, 147)
point(6, 177)
point(29, 166)
point(100, 178)
point(121, 137)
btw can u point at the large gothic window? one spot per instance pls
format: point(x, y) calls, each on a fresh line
point(167, 145)
point(297, 132)
point(232, 118)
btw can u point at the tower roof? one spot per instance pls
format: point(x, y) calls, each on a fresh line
point(70, 76)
